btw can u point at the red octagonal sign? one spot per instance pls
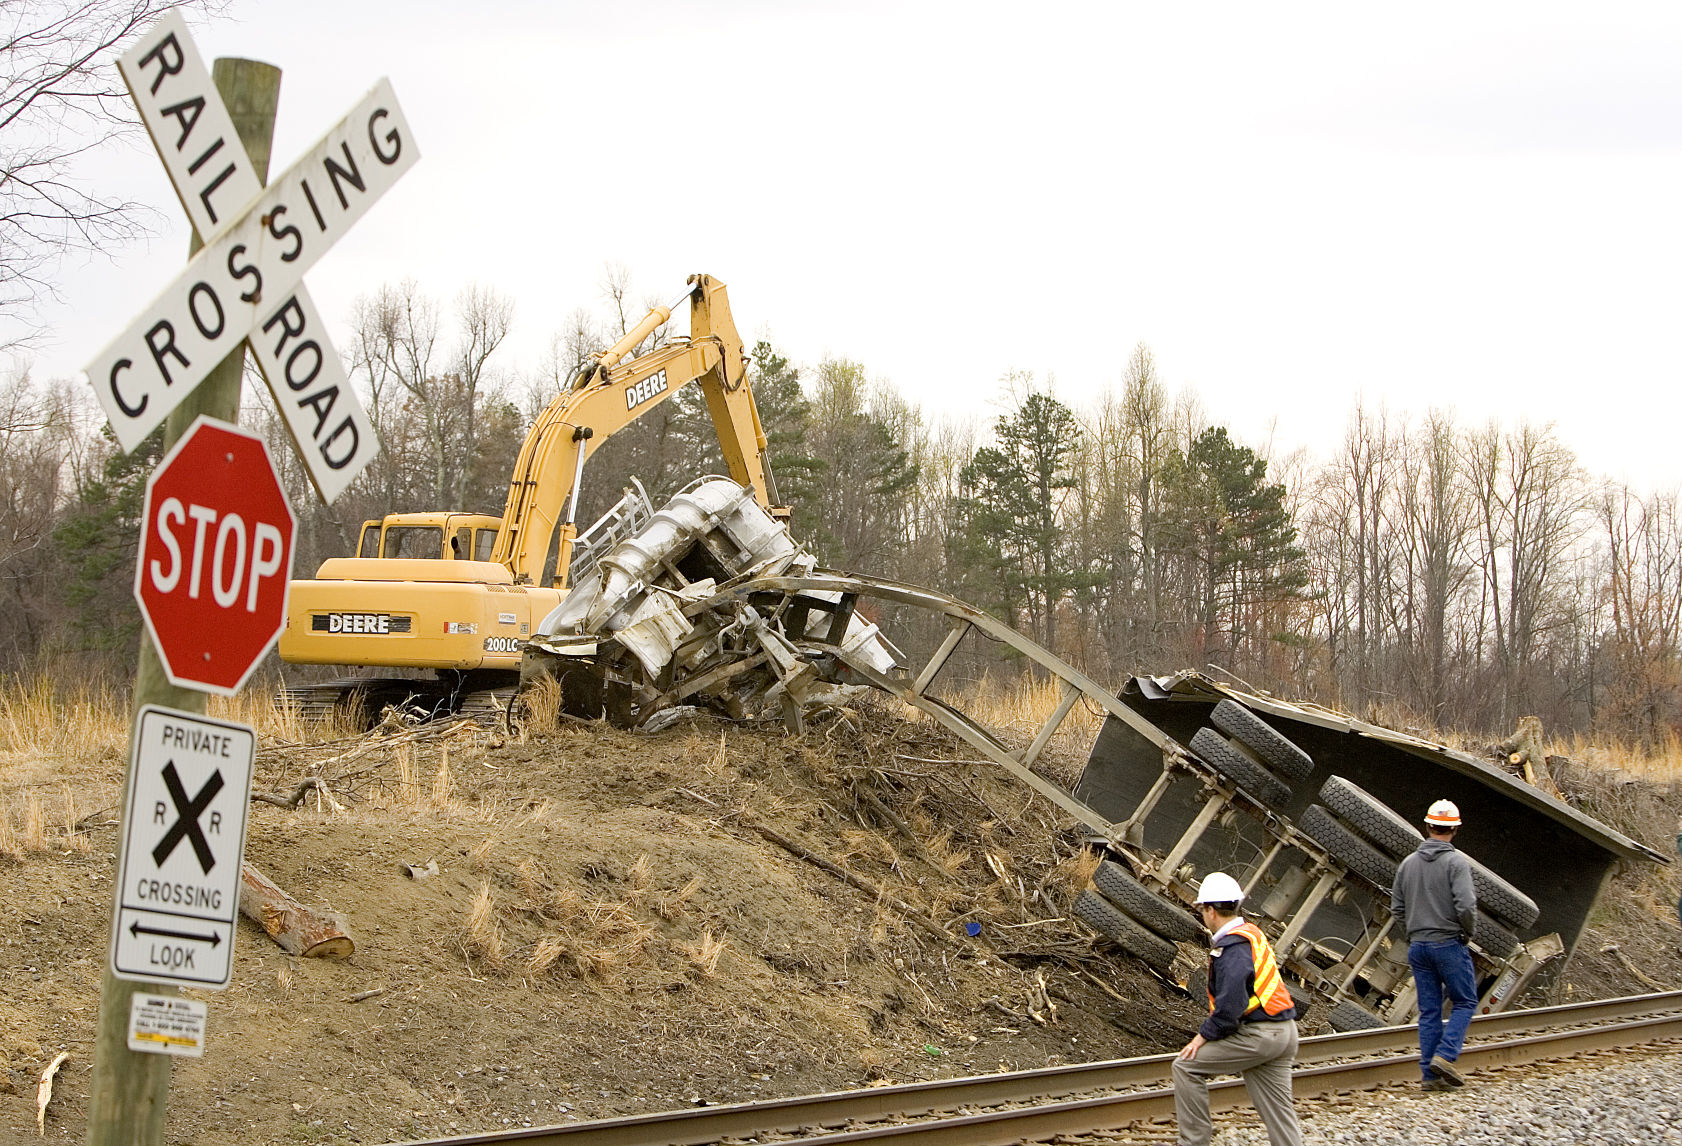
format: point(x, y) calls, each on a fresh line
point(215, 557)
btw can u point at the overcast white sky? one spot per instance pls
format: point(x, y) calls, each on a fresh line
point(1469, 206)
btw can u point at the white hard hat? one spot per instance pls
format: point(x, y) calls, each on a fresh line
point(1219, 887)
point(1443, 814)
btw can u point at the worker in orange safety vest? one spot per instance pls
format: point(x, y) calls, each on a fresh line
point(1251, 1029)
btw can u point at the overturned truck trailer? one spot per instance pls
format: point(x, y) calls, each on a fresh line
point(1350, 799)
point(708, 602)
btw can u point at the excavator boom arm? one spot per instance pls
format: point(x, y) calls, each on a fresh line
point(608, 396)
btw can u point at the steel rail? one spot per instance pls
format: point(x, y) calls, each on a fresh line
point(1124, 1111)
point(1629, 1014)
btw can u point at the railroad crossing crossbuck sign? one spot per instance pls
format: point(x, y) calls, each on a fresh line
point(184, 836)
point(247, 281)
point(215, 557)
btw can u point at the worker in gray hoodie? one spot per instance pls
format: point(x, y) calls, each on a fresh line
point(1434, 898)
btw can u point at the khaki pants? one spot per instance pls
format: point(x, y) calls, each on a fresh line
point(1263, 1053)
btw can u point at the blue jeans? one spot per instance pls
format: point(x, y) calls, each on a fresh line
point(1439, 968)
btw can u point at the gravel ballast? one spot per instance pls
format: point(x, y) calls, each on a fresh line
point(1612, 1103)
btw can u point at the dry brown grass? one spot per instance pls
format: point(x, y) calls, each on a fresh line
point(482, 939)
point(641, 879)
point(32, 822)
point(40, 715)
point(595, 937)
point(261, 708)
point(1661, 764)
point(860, 843)
point(950, 859)
point(74, 837)
point(706, 954)
point(60, 712)
point(535, 814)
point(532, 884)
point(1074, 873)
point(442, 781)
point(1023, 703)
point(545, 954)
point(408, 788)
point(670, 904)
point(540, 708)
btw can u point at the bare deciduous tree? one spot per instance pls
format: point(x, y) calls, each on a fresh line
point(61, 99)
point(486, 317)
point(1643, 589)
point(1529, 497)
point(44, 445)
point(396, 348)
point(1436, 522)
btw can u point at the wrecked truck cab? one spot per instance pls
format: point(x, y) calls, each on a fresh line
point(654, 620)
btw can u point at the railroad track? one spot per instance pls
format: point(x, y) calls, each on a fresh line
point(1035, 1105)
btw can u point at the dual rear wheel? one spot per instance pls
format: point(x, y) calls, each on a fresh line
point(1133, 917)
point(1371, 839)
point(1252, 755)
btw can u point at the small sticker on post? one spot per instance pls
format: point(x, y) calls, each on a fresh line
point(166, 1024)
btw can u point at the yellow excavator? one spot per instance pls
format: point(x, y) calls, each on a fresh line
point(458, 593)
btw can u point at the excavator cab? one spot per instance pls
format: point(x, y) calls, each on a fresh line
point(446, 536)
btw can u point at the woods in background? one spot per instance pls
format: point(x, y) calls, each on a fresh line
point(1420, 569)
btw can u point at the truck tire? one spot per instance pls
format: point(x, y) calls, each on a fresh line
point(1261, 784)
point(1349, 849)
point(1348, 1015)
point(1263, 739)
point(1501, 899)
point(1496, 941)
point(1370, 816)
point(1102, 916)
point(1134, 898)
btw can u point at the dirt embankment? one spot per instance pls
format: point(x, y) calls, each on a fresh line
point(608, 933)
point(618, 925)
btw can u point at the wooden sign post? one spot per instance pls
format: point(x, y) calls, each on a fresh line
point(182, 358)
point(131, 1089)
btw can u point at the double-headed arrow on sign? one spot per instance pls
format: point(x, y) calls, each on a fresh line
point(214, 938)
point(246, 282)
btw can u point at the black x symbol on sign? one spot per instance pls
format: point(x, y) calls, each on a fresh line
point(188, 825)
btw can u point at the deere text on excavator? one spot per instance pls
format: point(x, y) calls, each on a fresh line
point(458, 593)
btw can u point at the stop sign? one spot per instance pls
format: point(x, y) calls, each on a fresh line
point(215, 557)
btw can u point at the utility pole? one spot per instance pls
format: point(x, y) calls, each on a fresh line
point(131, 1088)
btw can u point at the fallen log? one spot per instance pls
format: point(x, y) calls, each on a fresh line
point(300, 930)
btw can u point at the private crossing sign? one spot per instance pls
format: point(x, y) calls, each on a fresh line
point(246, 283)
point(183, 843)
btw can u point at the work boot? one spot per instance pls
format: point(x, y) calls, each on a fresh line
point(1447, 1071)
